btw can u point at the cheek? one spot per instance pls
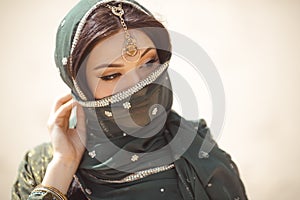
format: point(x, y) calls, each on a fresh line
point(102, 90)
point(99, 88)
point(106, 88)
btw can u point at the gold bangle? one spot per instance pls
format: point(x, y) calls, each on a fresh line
point(58, 194)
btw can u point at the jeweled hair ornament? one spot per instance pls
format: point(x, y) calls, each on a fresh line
point(130, 51)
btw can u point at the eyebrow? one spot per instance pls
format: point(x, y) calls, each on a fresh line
point(121, 65)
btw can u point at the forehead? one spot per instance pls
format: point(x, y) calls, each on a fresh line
point(110, 49)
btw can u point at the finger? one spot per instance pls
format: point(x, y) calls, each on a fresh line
point(80, 118)
point(60, 101)
point(80, 128)
point(62, 114)
point(64, 111)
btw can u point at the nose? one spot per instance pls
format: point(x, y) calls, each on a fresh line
point(133, 75)
point(130, 78)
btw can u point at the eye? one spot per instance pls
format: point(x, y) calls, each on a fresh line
point(110, 77)
point(150, 62)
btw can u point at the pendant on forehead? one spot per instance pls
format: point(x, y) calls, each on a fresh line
point(131, 50)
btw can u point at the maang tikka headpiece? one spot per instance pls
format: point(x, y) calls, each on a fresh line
point(130, 51)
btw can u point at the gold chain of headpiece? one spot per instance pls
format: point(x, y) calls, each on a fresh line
point(130, 48)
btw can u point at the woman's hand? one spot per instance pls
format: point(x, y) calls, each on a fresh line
point(68, 144)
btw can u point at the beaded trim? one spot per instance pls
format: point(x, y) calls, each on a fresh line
point(127, 93)
point(78, 90)
point(140, 174)
point(132, 177)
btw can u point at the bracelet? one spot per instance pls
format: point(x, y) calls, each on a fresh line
point(49, 189)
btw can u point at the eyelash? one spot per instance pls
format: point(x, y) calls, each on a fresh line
point(153, 60)
point(115, 75)
point(110, 77)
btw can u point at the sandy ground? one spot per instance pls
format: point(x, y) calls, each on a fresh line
point(255, 46)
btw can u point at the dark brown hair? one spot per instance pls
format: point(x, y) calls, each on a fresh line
point(103, 23)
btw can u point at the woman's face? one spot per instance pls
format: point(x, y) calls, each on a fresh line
point(108, 73)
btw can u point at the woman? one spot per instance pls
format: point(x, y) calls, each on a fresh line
point(126, 142)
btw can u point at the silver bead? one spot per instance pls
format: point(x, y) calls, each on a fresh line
point(127, 105)
point(203, 154)
point(154, 111)
point(162, 189)
point(108, 113)
point(62, 23)
point(237, 198)
point(64, 61)
point(124, 134)
point(209, 185)
point(92, 154)
point(134, 158)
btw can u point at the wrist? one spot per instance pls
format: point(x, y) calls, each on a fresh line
point(59, 173)
point(66, 160)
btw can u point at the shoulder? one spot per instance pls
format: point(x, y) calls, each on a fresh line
point(205, 150)
point(215, 166)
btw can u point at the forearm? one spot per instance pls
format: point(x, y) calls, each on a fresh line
point(59, 174)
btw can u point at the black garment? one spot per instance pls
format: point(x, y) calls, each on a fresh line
point(214, 177)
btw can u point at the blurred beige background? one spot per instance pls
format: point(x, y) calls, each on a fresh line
point(255, 45)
